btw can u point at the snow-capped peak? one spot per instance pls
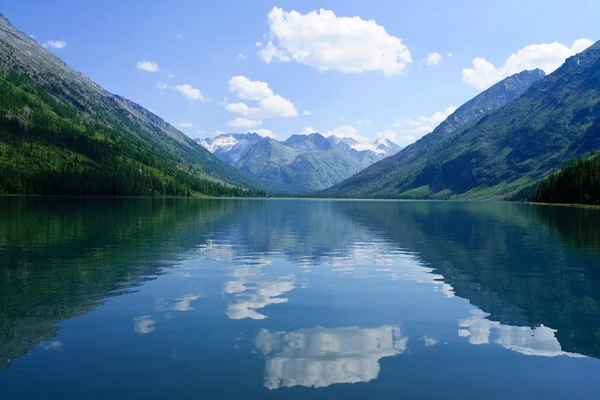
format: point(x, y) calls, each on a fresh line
point(382, 142)
point(225, 142)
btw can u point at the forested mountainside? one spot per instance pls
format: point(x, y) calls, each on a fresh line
point(577, 182)
point(60, 133)
point(504, 149)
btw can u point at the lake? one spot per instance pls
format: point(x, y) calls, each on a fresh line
point(211, 298)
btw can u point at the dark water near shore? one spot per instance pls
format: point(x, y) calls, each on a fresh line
point(165, 298)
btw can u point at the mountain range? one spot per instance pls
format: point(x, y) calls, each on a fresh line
point(302, 163)
point(61, 133)
point(507, 137)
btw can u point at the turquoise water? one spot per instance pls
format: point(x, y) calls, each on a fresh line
point(159, 298)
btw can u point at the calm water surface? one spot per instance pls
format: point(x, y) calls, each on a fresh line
point(195, 299)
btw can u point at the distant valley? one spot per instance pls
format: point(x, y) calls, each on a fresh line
point(302, 163)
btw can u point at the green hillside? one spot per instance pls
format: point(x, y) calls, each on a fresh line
point(577, 182)
point(60, 133)
point(556, 119)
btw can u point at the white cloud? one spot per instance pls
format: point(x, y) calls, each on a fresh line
point(320, 357)
point(429, 341)
point(179, 36)
point(240, 55)
point(306, 112)
point(53, 345)
point(347, 131)
point(148, 66)
point(434, 58)
point(414, 129)
point(243, 123)
point(387, 134)
point(185, 124)
point(258, 44)
point(185, 303)
point(325, 41)
point(264, 133)
point(186, 90)
point(547, 56)
point(450, 55)
point(364, 121)
point(54, 44)
point(249, 90)
point(270, 105)
point(190, 92)
point(143, 324)
point(307, 131)
point(200, 131)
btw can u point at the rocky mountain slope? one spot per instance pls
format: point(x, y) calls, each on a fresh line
point(526, 125)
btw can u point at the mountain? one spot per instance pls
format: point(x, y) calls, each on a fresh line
point(494, 152)
point(230, 147)
point(60, 133)
point(300, 164)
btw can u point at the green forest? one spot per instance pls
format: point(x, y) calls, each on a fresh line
point(577, 182)
point(53, 147)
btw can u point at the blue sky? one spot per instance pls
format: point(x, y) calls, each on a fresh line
point(364, 76)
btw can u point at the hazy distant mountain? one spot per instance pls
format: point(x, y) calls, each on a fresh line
point(302, 163)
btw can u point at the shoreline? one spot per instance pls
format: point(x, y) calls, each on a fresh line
point(572, 205)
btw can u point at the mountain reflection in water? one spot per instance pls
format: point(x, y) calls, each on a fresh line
point(318, 292)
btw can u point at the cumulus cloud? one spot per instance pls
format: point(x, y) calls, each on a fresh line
point(450, 55)
point(240, 55)
point(243, 123)
point(185, 124)
point(148, 66)
point(413, 129)
point(547, 56)
point(434, 58)
point(320, 357)
point(387, 134)
point(53, 345)
point(306, 112)
point(307, 131)
point(325, 41)
point(185, 303)
point(143, 324)
point(347, 131)
point(270, 105)
point(249, 90)
point(264, 133)
point(187, 90)
point(190, 92)
point(54, 44)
